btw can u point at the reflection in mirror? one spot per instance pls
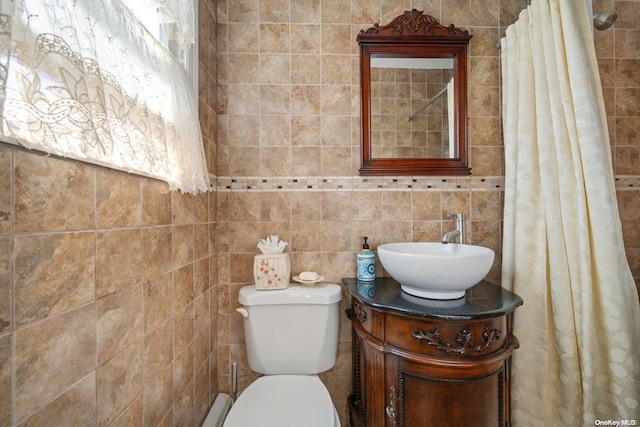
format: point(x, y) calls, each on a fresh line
point(413, 75)
point(412, 107)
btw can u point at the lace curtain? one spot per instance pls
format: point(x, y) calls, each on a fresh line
point(85, 79)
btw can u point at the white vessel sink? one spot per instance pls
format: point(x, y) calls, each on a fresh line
point(436, 270)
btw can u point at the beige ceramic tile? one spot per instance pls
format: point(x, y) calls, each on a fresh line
point(627, 131)
point(305, 206)
point(275, 69)
point(305, 99)
point(275, 99)
point(157, 300)
point(6, 255)
point(118, 260)
point(52, 194)
point(274, 38)
point(627, 43)
point(275, 131)
point(457, 12)
point(156, 251)
point(158, 351)
point(201, 241)
point(182, 239)
point(306, 11)
point(158, 398)
point(275, 206)
point(336, 236)
point(75, 407)
point(484, 41)
point(628, 102)
point(305, 161)
point(201, 314)
point(244, 161)
point(182, 207)
point(203, 277)
point(335, 160)
point(156, 202)
point(183, 325)
point(202, 400)
point(38, 260)
point(118, 199)
point(305, 70)
point(6, 174)
point(305, 131)
point(183, 406)
point(306, 237)
point(183, 292)
point(132, 415)
point(182, 370)
point(485, 13)
point(396, 206)
point(275, 161)
point(5, 380)
point(244, 236)
point(119, 383)
point(120, 321)
point(627, 160)
point(51, 356)
point(425, 206)
point(486, 205)
point(241, 268)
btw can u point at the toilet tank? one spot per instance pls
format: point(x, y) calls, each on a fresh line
point(291, 331)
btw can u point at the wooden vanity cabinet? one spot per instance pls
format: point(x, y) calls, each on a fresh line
point(424, 367)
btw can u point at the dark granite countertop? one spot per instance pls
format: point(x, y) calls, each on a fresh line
point(482, 301)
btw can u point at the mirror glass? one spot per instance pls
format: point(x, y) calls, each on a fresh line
point(412, 108)
point(413, 88)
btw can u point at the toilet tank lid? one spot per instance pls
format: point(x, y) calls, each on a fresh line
point(325, 293)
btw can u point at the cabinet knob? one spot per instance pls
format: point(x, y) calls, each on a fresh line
point(360, 313)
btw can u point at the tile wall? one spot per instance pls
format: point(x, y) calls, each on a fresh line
point(108, 297)
point(288, 145)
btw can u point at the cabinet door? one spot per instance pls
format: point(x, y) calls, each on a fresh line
point(421, 397)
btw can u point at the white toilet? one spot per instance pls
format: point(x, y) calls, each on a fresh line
point(291, 336)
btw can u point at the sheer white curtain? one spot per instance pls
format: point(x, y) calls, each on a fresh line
point(85, 79)
point(563, 252)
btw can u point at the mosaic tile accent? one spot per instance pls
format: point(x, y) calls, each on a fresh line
point(375, 183)
point(628, 181)
point(357, 183)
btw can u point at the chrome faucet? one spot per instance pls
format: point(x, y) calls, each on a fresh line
point(458, 231)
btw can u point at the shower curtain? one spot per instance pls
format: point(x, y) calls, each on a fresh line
point(563, 252)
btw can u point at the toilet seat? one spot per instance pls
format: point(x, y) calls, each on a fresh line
point(284, 401)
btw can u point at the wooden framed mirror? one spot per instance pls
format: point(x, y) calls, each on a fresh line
point(413, 77)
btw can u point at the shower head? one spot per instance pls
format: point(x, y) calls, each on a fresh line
point(604, 20)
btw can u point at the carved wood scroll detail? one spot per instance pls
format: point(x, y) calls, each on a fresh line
point(360, 313)
point(463, 339)
point(413, 21)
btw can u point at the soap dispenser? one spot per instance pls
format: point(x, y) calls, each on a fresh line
point(366, 264)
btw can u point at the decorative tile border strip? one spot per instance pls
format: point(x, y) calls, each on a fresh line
point(628, 181)
point(377, 183)
point(357, 183)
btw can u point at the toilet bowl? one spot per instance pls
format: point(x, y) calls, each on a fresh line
point(291, 336)
point(284, 400)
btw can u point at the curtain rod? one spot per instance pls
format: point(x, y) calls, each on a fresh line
point(426, 104)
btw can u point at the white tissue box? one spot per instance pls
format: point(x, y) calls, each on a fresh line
point(272, 271)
